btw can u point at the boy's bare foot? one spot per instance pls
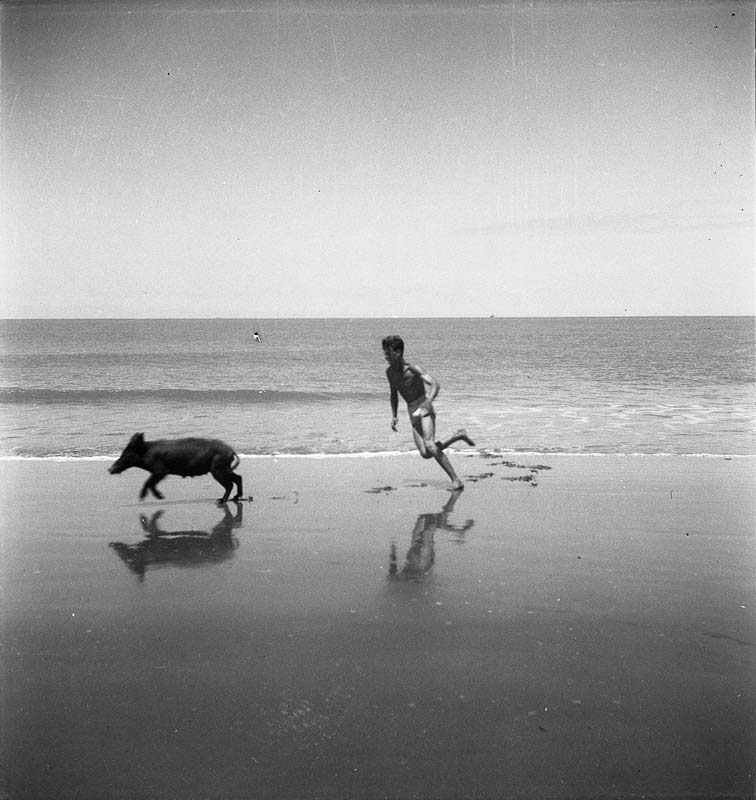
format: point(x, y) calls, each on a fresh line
point(462, 434)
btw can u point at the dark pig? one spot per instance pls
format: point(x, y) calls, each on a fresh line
point(185, 457)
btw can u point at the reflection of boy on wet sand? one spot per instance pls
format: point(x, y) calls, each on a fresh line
point(410, 382)
point(421, 555)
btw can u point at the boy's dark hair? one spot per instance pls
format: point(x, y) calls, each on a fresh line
point(393, 343)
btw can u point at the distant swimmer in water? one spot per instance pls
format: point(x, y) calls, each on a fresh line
point(257, 337)
point(410, 382)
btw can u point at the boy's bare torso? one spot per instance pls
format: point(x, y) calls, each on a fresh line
point(407, 380)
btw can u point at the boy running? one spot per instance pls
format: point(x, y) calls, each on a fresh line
point(410, 382)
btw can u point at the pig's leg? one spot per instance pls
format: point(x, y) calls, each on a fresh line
point(150, 485)
point(224, 479)
point(238, 481)
point(222, 470)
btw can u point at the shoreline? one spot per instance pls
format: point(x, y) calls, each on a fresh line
point(495, 452)
point(566, 626)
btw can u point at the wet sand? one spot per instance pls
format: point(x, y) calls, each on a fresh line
point(565, 627)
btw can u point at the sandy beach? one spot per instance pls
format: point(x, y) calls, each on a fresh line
point(566, 627)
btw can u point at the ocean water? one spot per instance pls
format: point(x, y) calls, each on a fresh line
point(81, 388)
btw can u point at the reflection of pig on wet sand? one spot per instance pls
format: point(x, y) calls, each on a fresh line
point(185, 457)
point(163, 548)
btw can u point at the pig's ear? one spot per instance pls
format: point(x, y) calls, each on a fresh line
point(137, 441)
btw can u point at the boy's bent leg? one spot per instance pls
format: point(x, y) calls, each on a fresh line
point(424, 431)
point(433, 450)
point(459, 436)
point(421, 444)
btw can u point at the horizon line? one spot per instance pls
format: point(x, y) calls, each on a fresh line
point(381, 317)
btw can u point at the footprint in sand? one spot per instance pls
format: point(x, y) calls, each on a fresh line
point(482, 476)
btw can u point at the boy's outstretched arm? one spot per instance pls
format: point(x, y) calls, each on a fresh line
point(394, 407)
point(433, 385)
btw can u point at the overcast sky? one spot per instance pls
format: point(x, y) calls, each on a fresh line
point(240, 159)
